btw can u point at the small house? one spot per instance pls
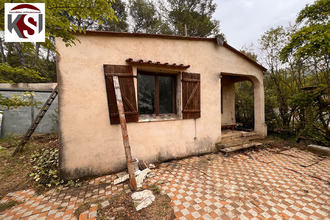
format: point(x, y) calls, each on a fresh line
point(178, 92)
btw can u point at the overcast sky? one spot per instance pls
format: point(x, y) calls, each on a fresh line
point(244, 21)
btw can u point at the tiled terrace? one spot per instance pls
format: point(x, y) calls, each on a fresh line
point(261, 184)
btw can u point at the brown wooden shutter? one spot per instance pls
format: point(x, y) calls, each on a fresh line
point(191, 95)
point(125, 75)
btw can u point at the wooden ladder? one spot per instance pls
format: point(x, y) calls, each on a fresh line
point(37, 120)
point(127, 147)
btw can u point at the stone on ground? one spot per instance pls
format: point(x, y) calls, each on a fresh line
point(142, 199)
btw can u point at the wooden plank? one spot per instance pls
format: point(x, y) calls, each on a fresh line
point(119, 75)
point(190, 80)
point(232, 126)
point(192, 110)
point(192, 95)
point(126, 114)
point(128, 103)
point(129, 162)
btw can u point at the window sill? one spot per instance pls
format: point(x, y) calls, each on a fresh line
point(152, 118)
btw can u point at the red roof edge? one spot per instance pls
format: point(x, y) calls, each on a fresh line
point(126, 34)
point(157, 64)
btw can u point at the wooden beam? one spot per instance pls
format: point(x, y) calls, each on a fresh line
point(129, 162)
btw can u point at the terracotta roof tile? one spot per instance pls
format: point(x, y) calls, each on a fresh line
point(156, 64)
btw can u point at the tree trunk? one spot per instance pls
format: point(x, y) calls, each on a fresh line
point(37, 49)
point(20, 54)
point(37, 53)
point(47, 57)
point(3, 55)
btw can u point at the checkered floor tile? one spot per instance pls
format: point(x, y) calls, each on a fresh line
point(264, 184)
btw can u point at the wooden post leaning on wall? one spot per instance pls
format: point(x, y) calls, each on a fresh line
point(130, 167)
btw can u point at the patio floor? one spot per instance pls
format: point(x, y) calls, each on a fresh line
point(262, 184)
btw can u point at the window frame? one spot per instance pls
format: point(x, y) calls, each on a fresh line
point(175, 94)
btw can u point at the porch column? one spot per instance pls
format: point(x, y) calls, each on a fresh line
point(259, 108)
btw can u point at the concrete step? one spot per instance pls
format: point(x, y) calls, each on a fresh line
point(238, 142)
point(236, 147)
point(241, 137)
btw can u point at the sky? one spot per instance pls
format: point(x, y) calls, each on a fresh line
point(244, 21)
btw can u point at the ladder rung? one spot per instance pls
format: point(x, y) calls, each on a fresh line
point(38, 120)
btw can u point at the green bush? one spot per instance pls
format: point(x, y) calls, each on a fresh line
point(45, 167)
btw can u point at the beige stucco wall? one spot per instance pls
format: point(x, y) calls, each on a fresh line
point(228, 98)
point(90, 145)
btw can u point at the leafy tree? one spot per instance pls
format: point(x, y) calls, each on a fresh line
point(297, 81)
point(310, 44)
point(278, 80)
point(57, 24)
point(249, 51)
point(244, 104)
point(23, 62)
point(17, 101)
point(313, 38)
point(314, 101)
point(145, 18)
point(120, 24)
point(192, 16)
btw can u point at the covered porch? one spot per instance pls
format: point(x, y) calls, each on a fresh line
point(229, 124)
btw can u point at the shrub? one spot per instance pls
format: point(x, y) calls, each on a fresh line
point(45, 167)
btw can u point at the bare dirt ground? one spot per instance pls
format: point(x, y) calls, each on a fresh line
point(14, 176)
point(15, 170)
point(122, 207)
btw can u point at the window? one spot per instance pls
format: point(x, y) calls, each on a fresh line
point(156, 94)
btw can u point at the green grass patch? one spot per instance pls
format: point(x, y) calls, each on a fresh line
point(155, 189)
